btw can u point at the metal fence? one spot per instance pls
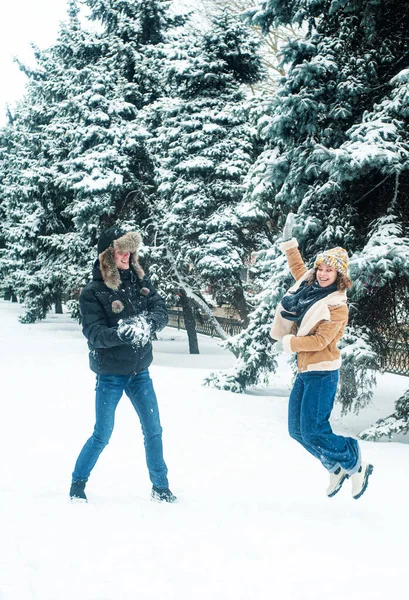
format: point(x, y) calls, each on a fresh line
point(393, 359)
point(230, 326)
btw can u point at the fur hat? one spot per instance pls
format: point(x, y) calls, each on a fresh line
point(118, 239)
point(337, 258)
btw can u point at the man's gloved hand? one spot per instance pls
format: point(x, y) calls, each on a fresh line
point(135, 330)
point(288, 227)
point(279, 346)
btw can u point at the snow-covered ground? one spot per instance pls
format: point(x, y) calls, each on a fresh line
point(252, 522)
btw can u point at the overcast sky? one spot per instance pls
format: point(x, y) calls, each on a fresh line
point(23, 22)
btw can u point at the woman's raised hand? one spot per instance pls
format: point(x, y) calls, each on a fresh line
point(288, 227)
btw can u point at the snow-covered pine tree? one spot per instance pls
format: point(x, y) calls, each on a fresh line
point(32, 204)
point(203, 146)
point(90, 86)
point(40, 232)
point(336, 136)
point(270, 42)
point(391, 426)
point(8, 166)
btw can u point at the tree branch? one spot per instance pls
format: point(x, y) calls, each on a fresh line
point(190, 293)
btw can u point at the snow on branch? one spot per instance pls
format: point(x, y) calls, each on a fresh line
point(198, 301)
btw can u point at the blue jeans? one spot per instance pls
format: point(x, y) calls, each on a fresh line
point(309, 409)
point(109, 390)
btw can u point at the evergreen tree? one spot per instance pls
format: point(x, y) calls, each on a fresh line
point(203, 146)
point(270, 42)
point(88, 165)
point(39, 230)
point(336, 136)
point(31, 204)
point(7, 166)
point(393, 425)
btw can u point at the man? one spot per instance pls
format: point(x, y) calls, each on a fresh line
point(120, 311)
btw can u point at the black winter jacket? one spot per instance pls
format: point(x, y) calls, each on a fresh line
point(101, 310)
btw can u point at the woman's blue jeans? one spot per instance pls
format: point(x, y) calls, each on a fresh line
point(109, 390)
point(309, 409)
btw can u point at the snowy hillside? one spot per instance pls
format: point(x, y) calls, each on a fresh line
point(252, 521)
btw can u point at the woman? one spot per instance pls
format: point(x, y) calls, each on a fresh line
point(311, 321)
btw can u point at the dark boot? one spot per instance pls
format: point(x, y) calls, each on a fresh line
point(77, 491)
point(163, 495)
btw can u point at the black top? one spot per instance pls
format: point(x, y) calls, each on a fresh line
point(101, 310)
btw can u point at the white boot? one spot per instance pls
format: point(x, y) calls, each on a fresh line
point(336, 480)
point(360, 480)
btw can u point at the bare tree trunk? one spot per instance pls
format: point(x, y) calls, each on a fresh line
point(190, 322)
point(58, 305)
point(241, 307)
point(10, 296)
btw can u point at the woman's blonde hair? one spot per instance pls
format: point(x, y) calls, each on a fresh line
point(343, 282)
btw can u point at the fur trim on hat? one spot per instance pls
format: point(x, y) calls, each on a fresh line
point(130, 242)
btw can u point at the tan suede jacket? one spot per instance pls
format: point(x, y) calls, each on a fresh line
point(321, 328)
